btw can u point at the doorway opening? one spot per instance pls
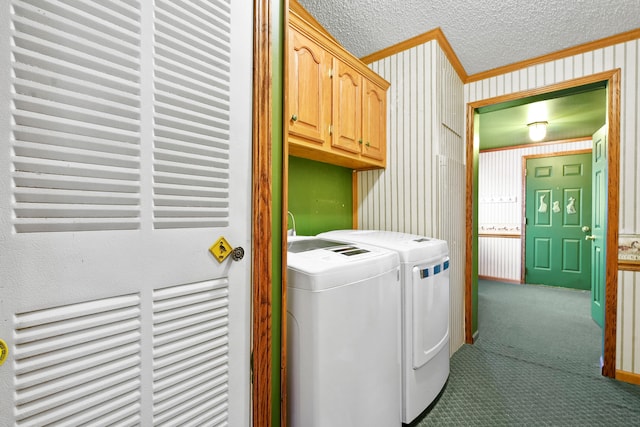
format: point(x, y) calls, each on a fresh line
point(611, 80)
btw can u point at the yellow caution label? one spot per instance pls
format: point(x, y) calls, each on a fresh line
point(4, 351)
point(221, 249)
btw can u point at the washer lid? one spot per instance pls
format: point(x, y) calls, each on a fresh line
point(316, 265)
point(410, 247)
point(309, 244)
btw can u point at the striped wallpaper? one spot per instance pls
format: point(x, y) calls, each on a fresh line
point(422, 189)
point(626, 57)
point(500, 207)
point(425, 123)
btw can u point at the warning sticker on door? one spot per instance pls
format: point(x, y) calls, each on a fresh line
point(221, 249)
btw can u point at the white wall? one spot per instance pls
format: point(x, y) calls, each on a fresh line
point(422, 189)
point(500, 207)
point(625, 56)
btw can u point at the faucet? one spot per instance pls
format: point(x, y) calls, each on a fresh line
point(291, 231)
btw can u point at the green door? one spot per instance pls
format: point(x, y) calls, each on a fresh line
point(557, 207)
point(599, 227)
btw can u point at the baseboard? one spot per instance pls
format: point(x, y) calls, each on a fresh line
point(628, 377)
point(500, 279)
point(475, 336)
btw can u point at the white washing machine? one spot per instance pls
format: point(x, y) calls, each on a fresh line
point(424, 265)
point(343, 346)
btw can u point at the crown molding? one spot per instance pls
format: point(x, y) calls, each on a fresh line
point(438, 35)
point(575, 50)
point(295, 6)
point(435, 34)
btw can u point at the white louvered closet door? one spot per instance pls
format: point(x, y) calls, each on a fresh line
point(125, 153)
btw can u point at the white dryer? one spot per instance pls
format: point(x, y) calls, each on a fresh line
point(343, 347)
point(424, 265)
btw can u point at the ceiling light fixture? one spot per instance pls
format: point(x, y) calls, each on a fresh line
point(537, 130)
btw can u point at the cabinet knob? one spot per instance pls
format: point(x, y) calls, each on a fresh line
point(294, 118)
point(368, 144)
point(360, 141)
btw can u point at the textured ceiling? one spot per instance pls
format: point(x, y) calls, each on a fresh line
point(484, 34)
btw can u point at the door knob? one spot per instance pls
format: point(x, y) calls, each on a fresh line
point(237, 253)
point(586, 228)
point(591, 237)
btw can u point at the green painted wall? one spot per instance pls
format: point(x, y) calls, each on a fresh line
point(320, 196)
point(276, 227)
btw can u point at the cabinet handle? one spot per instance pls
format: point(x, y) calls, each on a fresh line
point(360, 141)
point(294, 118)
point(368, 144)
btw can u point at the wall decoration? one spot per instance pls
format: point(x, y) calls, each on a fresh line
point(542, 208)
point(629, 248)
point(556, 207)
point(499, 230)
point(571, 206)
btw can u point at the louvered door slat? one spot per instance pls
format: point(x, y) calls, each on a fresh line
point(123, 354)
point(83, 102)
point(185, 362)
point(65, 364)
point(127, 368)
point(104, 149)
point(194, 80)
point(58, 15)
point(47, 161)
point(192, 56)
point(190, 351)
point(76, 111)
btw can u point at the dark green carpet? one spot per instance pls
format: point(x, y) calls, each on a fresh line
point(535, 363)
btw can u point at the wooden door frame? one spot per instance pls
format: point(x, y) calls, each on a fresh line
point(613, 190)
point(524, 200)
point(261, 307)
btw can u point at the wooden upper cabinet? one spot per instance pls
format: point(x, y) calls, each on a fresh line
point(336, 105)
point(347, 108)
point(374, 121)
point(309, 89)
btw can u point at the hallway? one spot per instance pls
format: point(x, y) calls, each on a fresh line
point(536, 362)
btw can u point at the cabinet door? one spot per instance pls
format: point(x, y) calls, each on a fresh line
point(347, 108)
point(309, 89)
point(374, 119)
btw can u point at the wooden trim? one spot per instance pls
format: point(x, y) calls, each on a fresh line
point(402, 46)
point(575, 50)
point(435, 34)
point(613, 141)
point(500, 279)
point(468, 269)
point(628, 377)
point(628, 266)
point(501, 236)
point(613, 220)
point(438, 35)
point(354, 201)
point(261, 195)
point(536, 144)
point(284, 330)
point(296, 7)
point(567, 84)
point(556, 154)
